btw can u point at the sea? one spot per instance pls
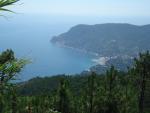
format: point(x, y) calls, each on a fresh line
point(29, 37)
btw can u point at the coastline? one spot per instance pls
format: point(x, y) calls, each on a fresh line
point(98, 60)
point(76, 49)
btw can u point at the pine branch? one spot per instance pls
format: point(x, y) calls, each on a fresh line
point(4, 3)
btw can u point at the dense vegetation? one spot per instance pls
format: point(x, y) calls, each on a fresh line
point(113, 92)
point(107, 39)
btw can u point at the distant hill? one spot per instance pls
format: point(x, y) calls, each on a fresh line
point(107, 39)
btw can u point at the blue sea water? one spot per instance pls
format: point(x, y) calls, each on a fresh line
point(30, 38)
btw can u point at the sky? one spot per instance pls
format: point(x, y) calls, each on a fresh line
point(85, 7)
point(82, 11)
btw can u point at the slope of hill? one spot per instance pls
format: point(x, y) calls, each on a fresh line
point(107, 39)
point(39, 86)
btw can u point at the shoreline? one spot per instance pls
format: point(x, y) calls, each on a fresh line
point(76, 49)
point(98, 60)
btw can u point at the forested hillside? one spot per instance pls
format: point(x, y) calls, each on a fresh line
point(112, 92)
point(107, 39)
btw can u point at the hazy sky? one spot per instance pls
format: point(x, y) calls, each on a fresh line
point(82, 11)
point(85, 7)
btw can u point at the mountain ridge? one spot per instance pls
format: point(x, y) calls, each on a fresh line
point(109, 39)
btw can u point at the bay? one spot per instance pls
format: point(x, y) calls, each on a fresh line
point(30, 38)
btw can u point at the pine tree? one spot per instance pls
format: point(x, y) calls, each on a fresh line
point(91, 91)
point(142, 69)
point(9, 68)
point(112, 92)
point(14, 101)
point(64, 103)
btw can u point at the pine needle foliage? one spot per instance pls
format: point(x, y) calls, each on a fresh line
point(4, 3)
